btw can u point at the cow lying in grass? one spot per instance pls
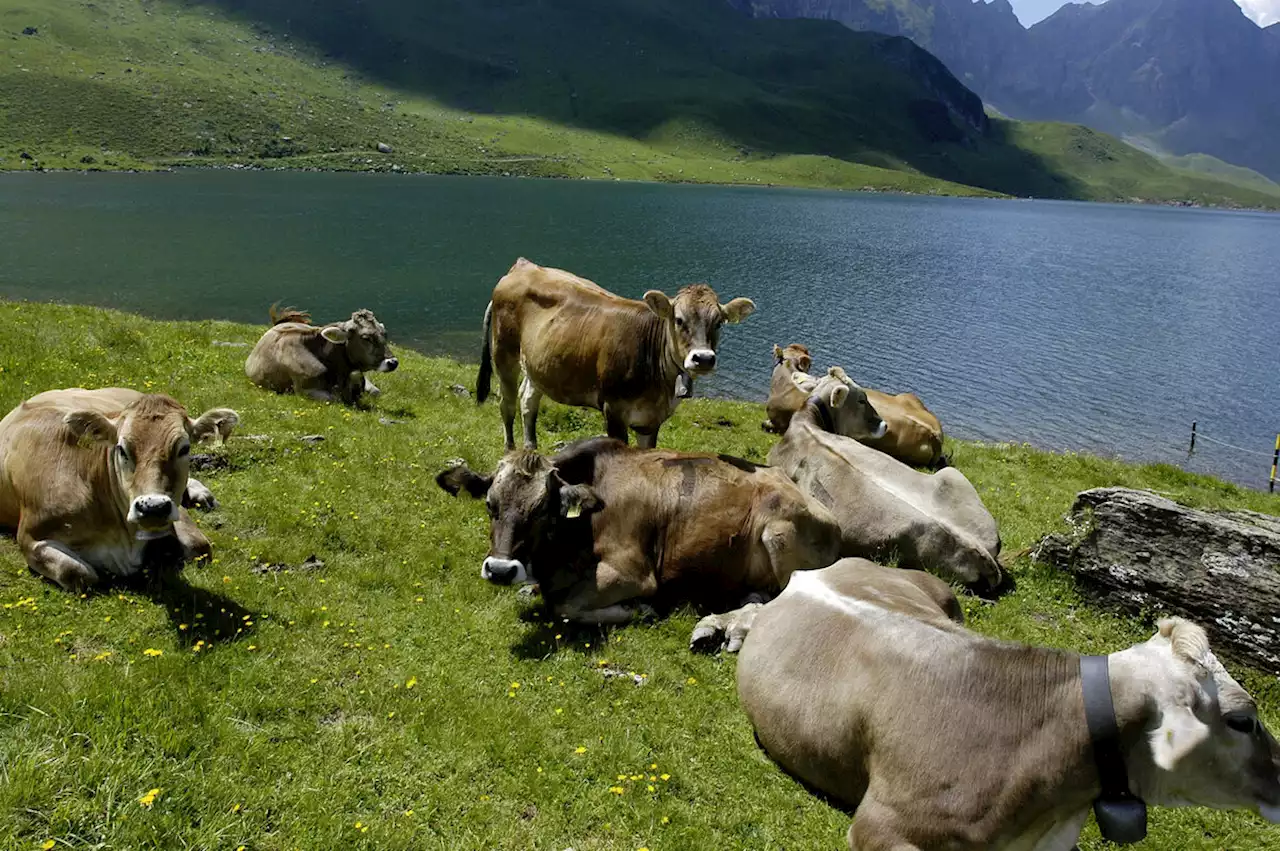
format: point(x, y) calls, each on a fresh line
point(605, 529)
point(864, 685)
point(327, 363)
point(89, 477)
point(885, 509)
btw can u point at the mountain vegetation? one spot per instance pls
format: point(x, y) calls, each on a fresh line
point(686, 90)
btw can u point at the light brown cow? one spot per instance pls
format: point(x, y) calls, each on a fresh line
point(88, 477)
point(603, 528)
point(867, 689)
point(582, 345)
point(930, 521)
point(327, 363)
point(785, 398)
point(913, 434)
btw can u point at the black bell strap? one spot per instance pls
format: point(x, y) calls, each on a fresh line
point(1122, 816)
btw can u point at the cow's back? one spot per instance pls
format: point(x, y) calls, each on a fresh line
point(280, 354)
point(914, 434)
point(42, 468)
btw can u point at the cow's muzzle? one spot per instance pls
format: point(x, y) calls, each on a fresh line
point(389, 365)
point(153, 512)
point(880, 430)
point(504, 571)
point(700, 360)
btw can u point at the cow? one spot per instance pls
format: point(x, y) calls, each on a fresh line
point(913, 434)
point(931, 521)
point(582, 345)
point(870, 691)
point(785, 398)
point(607, 530)
point(89, 477)
point(326, 363)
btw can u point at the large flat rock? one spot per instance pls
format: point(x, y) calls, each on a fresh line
point(1149, 554)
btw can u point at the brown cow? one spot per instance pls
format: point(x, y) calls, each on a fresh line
point(944, 740)
point(88, 477)
point(785, 398)
point(327, 363)
point(603, 527)
point(582, 345)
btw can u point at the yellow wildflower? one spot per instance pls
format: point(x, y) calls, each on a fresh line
point(413, 681)
point(48, 843)
point(617, 790)
point(666, 777)
point(580, 749)
point(664, 820)
point(150, 798)
point(691, 681)
point(151, 651)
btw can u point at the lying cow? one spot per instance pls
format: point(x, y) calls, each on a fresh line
point(327, 363)
point(88, 477)
point(867, 689)
point(785, 398)
point(582, 345)
point(931, 521)
point(603, 527)
point(913, 434)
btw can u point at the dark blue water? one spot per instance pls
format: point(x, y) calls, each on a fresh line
point(1092, 327)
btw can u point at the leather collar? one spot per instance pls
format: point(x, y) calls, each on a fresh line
point(825, 420)
point(1122, 816)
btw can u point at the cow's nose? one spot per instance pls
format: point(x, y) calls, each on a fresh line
point(502, 571)
point(880, 429)
point(702, 359)
point(152, 506)
point(390, 364)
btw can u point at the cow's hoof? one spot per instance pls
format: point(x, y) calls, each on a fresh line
point(646, 613)
point(707, 637)
point(199, 496)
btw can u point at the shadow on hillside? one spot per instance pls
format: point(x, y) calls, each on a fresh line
point(693, 71)
point(195, 614)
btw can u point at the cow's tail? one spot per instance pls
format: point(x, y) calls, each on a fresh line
point(485, 378)
point(288, 314)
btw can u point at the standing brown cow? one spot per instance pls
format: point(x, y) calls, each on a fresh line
point(582, 345)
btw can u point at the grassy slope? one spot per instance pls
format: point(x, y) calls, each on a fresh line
point(1220, 170)
point(296, 722)
point(667, 91)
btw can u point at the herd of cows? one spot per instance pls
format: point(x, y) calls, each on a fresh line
point(859, 679)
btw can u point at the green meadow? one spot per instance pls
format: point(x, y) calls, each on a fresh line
point(391, 698)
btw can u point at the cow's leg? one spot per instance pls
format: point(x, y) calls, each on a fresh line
point(614, 425)
point(726, 631)
point(646, 436)
point(877, 828)
point(198, 496)
point(507, 382)
point(195, 546)
point(530, 399)
point(304, 387)
point(779, 539)
point(614, 595)
point(54, 560)
point(371, 388)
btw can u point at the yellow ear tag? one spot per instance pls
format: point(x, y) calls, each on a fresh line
point(574, 510)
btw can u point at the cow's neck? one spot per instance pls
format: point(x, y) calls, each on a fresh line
point(116, 495)
point(659, 352)
point(817, 415)
point(1130, 671)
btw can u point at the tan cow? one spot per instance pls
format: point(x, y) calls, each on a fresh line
point(785, 398)
point(88, 477)
point(931, 521)
point(604, 528)
point(327, 363)
point(582, 345)
point(944, 740)
point(913, 434)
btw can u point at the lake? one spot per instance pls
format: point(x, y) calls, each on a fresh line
point(1101, 328)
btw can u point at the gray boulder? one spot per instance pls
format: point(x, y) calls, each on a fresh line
point(1149, 554)
point(384, 148)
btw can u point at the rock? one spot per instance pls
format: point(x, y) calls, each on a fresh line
point(25, 156)
point(313, 439)
point(203, 461)
point(88, 160)
point(311, 563)
point(387, 421)
point(610, 673)
point(460, 391)
point(229, 345)
point(384, 148)
point(30, 31)
point(1147, 553)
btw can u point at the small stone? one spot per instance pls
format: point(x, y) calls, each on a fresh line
point(312, 438)
point(459, 390)
point(229, 345)
point(25, 156)
point(387, 421)
point(384, 148)
point(30, 31)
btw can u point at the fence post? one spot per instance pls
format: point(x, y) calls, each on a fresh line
point(1275, 460)
point(1193, 438)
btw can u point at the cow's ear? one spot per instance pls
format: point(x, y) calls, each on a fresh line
point(576, 500)
point(336, 334)
point(1180, 732)
point(777, 354)
point(737, 310)
point(460, 477)
point(804, 362)
point(217, 422)
point(806, 382)
point(91, 426)
point(658, 302)
point(839, 395)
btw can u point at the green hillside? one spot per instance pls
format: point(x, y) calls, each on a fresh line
point(637, 89)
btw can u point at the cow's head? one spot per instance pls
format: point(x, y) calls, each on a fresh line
point(150, 446)
point(527, 503)
point(795, 357)
point(843, 402)
point(1203, 744)
point(693, 320)
point(365, 339)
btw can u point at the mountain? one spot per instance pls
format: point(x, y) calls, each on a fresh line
point(1185, 76)
point(685, 90)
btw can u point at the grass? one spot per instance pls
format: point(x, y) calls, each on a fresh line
point(374, 703)
point(671, 90)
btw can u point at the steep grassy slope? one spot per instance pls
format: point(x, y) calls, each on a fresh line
point(639, 90)
point(392, 699)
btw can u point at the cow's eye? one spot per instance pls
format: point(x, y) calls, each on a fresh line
point(184, 450)
point(679, 322)
point(1242, 723)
